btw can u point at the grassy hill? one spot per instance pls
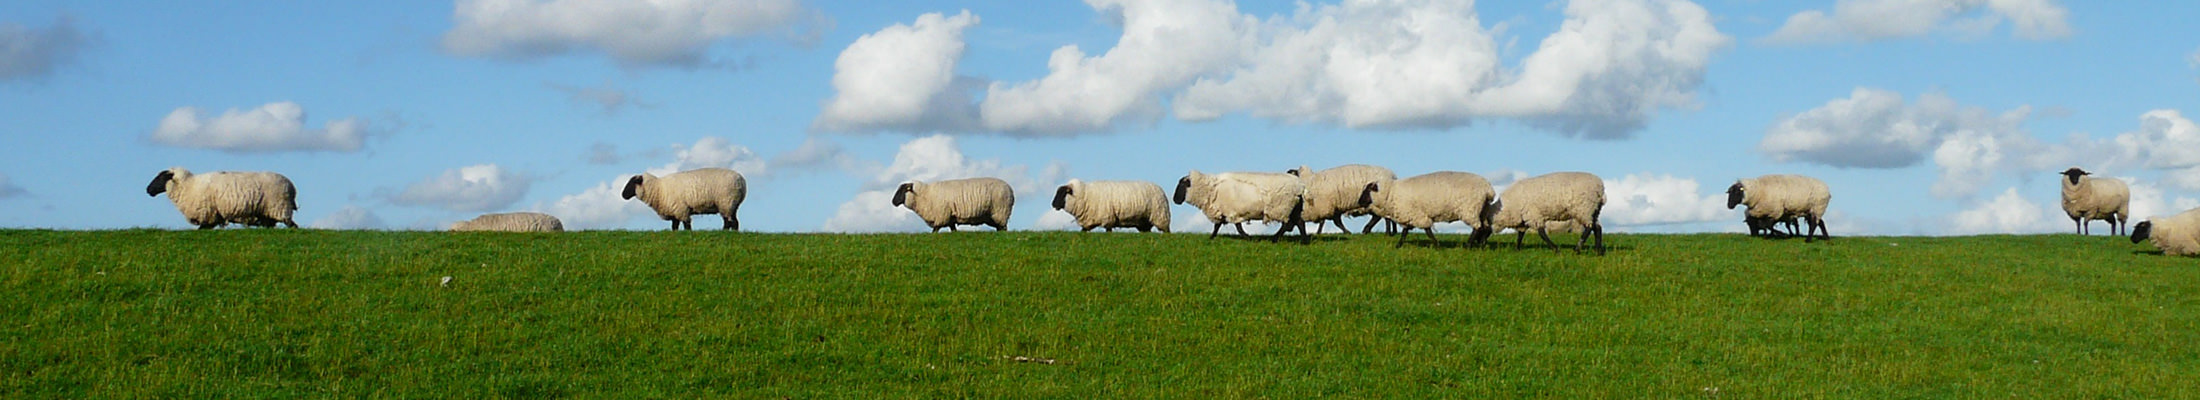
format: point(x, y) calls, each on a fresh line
point(285, 313)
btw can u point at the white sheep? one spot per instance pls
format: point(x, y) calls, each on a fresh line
point(944, 204)
point(1576, 198)
point(511, 222)
point(2176, 235)
point(214, 199)
point(1773, 199)
point(1114, 204)
point(679, 196)
point(1428, 199)
point(1334, 193)
point(1237, 197)
point(2086, 199)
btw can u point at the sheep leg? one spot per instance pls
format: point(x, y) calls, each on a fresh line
point(950, 228)
point(1519, 238)
point(1600, 238)
point(1401, 241)
point(1585, 231)
point(732, 224)
point(1241, 229)
point(1371, 220)
point(675, 224)
point(1340, 224)
point(2081, 224)
point(999, 226)
point(1542, 231)
point(1431, 231)
point(1218, 231)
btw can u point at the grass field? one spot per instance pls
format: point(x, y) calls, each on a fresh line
point(286, 313)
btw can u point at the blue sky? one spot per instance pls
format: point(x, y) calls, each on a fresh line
point(1924, 116)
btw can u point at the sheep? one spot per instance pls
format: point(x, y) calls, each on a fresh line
point(511, 222)
point(1114, 204)
point(1773, 199)
point(2087, 199)
point(2176, 235)
point(1436, 197)
point(1236, 197)
point(1576, 198)
point(1334, 193)
point(1766, 226)
point(681, 195)
point(214, 199)
point(944, 204)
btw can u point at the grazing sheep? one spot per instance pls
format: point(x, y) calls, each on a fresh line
point(1773, 199)
point(215, 199)
point(1236, 197)
point(511, 222)
point(2086, 199)
point(1334, 193)
point(1114, 204)
point(682, 195)
point(1766, 226)
point(944, 204)
point(1426, 200)
point(1573, 197)
point(2176, 235)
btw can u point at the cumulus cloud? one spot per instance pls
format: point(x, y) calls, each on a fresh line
point(274, 127)
point(815, 153)
point(9, 189)
point(714, 152)
point(1875, 128)
point(350, 217)
point(2008, 213)
point(2166, 141)
point(28, 53)
point(1645, 199)
point(635, 33)
point(903, 78)
point(598, 207)
point(1362, 64)
point(928, 159)
point(1870, 20)
point(1165, 45)
point(1430, 64)
point(477, 188)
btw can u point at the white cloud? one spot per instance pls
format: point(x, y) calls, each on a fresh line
point(661, 32)
point(27, 53)
point(1362, 64)
point(818, 153)
point(8, 188)
point(714, 152)
point(2165, 141)
point(1874, 128)
point(477, 188)
point(1165, 45)
point(1430, 64)
point(903, 78)
point(928, 159)
point(1870, 20)
point(273, 127)
point(1645, 199)
point(349, 217)
point(598, 207)
point(2008, 213)
point(1057, 220)
point(606, 98)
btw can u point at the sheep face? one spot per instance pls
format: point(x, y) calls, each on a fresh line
point(160, 183)
point(1061, 196)
point(2140, 232)
point(901, 194)
point(1182, 186)
point(633, 186)
point(2073, 173)
point(1367, 195)
point(1734, 195)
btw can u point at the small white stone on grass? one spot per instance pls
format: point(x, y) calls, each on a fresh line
point(446, 281)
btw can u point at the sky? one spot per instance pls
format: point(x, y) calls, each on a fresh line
point(1925, 117)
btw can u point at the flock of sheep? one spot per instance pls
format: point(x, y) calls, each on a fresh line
point(1570, 201)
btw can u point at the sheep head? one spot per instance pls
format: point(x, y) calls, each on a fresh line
point(2140, 232)
point(2073, 173)
point(633, 187)
point(1734, 195)
point(160, 183)
point(901, 194)
point(1061, 196)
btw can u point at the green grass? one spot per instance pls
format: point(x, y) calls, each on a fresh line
point(288, 313)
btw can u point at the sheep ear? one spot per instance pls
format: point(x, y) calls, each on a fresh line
point(631, 186)
point(901, 194)
point(1182, 185)
point(1061, 194)
point(160, 183)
